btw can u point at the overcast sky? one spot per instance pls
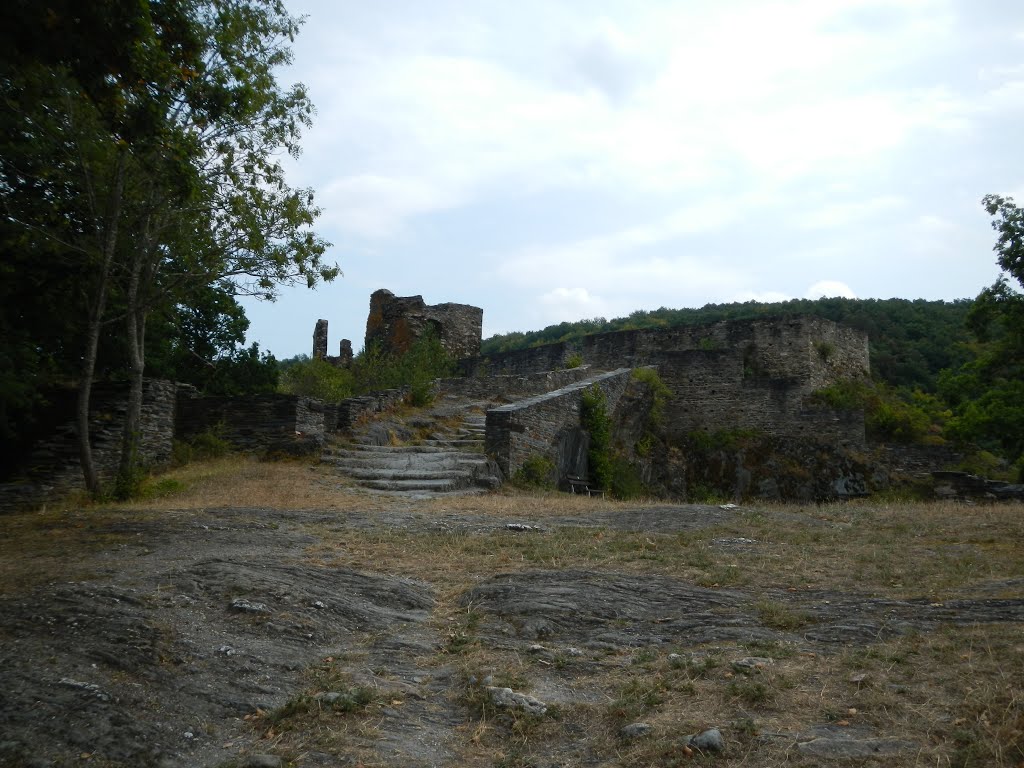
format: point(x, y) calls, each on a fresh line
point(552, 161)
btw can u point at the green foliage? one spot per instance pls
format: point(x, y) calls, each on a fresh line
point(319, 379)
point(987, 392)
point(659, 390)
point(142, 183)
point(425, 361)
point(626, 482)
point(208, 444)
point(891, 415)
point(536, 472)
point(595, 420)
point(575, 360)
point(371, 371)
point(825, 349)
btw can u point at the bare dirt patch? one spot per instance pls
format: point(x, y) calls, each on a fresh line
point(355, 629)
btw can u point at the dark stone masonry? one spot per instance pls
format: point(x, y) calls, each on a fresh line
point(753, 375)
point(396, 322)
point(746, 374)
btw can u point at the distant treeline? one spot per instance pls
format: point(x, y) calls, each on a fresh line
point(911, 341)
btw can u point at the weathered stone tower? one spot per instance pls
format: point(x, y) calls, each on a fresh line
point(395, 322)
point(344, 357)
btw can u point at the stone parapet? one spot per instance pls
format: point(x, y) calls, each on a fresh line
point(537, 425)
point(496, 388)
point(251, 423)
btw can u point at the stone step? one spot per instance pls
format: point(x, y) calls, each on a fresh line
point(454, 475)
point(450, 458)
point(356, 445)
point(464, 443)
point(415, 485)
point(450, 462)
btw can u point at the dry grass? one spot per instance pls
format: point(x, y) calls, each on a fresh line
point(958, 693)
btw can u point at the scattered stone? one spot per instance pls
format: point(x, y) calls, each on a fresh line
point(506, 698)
point(708, 741)
point(320, 605)
point(752, 662)
point(728, 506)
point(737, 541)
point(838, 747)
point(858, 677)
point(227, 650)
point(538, 648)
point(522, 527)
point(635, 730)
point(91, 688)
point(245, 606)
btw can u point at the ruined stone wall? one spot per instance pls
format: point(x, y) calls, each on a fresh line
point(537, 425)
point(748, 374)
point(395, 322)
point(497, 388)
point(54, 466)
point(252, 423)
point(352, 409)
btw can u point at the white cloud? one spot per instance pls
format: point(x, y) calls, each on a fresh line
point(666, 100)
point(377, 206)
point(828, 289)
point(844, 214)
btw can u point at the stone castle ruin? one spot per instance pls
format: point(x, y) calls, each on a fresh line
point(396, 322)
point(754, 375)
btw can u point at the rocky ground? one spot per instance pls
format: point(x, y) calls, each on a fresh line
point(511, 632)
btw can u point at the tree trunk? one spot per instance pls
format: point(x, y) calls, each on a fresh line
point(127, 475)
point(109, 246)
point(138, 293)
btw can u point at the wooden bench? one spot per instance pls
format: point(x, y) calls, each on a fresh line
point(581, 485)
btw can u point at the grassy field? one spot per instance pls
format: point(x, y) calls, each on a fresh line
point(954, 692)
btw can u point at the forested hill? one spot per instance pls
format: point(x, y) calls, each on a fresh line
point(911, 341)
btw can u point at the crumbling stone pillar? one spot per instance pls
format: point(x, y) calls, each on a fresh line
point(320, 340)
point(396, 322)
point(345, 353)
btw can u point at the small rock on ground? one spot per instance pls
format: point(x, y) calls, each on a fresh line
point(506, 698)
point(708, 741)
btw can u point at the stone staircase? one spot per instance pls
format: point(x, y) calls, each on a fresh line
point(450, 461)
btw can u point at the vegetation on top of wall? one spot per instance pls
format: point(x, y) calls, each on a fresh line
point(890, 414)
point(575, 360)
point(911, 340)
point(659, 390)
point(596, 422)
point(371, 371)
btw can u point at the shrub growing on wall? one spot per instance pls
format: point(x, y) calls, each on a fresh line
point(594, 419)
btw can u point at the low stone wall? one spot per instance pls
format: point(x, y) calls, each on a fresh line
point(252, 423)
point(497, 388)
point(352, 409)
point(536, 425)
point(54, 466)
